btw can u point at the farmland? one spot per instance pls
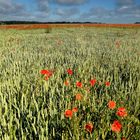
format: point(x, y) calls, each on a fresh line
point(70, 84)
point(43, 26)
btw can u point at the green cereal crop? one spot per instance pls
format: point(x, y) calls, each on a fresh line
point(70, 84)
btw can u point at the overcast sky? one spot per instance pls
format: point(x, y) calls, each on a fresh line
point(107, 11)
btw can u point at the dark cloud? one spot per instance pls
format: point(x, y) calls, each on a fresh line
point(121, 3)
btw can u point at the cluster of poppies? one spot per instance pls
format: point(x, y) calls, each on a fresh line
point(49, 73)
point(80, 85)
point(116, 126)
point(121, 112)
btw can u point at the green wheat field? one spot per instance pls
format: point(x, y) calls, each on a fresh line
point(88, 68)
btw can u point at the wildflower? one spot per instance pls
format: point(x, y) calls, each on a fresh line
point(121, 112)
point(111, 104)
point(78, 96)
point(44, 72)
point(107, 83)
point(49, 74)
point(79, 84)
point(92, 82)
point(66, 83)
point(69, 71)
point(75, 109)
point(116, 126)
point(89, 127)
point(68, 113)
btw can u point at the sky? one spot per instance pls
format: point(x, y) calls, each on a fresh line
point(105, 11)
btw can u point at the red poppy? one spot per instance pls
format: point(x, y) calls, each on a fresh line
point(78, 96)
point(69, 71)
point(111, 104)
point(68, 113)
point(121, 112)
point(49, 74)
point(79, 84)
point(116, 126)
point(89, 127)
point(66, 83)
point(75, 109)
point(92, 82)
point(44, 72)
point(107, 83)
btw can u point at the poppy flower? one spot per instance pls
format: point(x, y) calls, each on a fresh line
point(68, 113)
point(89, 127)
point(78, 96)
point(79, 84)
point(69, 71)
point(107, 84)
point(121, 112)
point(75, 109)
point(111, 104)
point(66, 83)
point(92, 82)
point(116, 126)
point(44, 72)
point(49, 74)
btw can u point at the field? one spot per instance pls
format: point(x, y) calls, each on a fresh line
point(70, 84)
point(42, 26)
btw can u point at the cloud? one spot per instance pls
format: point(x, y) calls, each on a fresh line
point(98, 12)
point(43, 5)
point(127, 8)
point(10, 8)
point(123, 8)
point(67, 12)
point(133, 11)
point(70, 2)
point(121, 3)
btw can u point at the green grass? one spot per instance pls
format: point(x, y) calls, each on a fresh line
point(32, 108)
